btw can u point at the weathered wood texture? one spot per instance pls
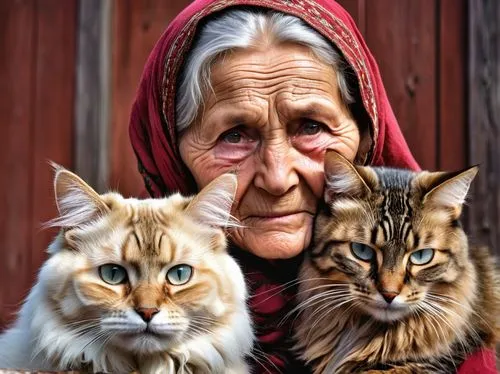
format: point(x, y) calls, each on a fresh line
point(137, 26)
point(93, 92)
point(484, 119)
point(36, 113)
point(420, 49)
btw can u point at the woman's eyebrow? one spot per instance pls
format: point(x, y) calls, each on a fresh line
point(312, 110)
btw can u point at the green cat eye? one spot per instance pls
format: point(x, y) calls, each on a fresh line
point(362, 251)
point(113, 274)
point(179, 274)
point(422, 257)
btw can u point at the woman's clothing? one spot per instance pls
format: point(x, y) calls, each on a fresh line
point(154, 139)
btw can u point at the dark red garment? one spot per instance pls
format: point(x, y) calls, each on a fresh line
point(154, 139)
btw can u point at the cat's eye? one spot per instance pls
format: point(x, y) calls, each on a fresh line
point(179, 274)
point(113, 274)
point(362, 251)
point(422, 257)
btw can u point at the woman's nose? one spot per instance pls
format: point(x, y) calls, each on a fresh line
point(275, 171)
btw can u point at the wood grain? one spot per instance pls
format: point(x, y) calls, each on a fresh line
point(451, 90)
point(483, 105)
point(402, 36)
point(93, 92)
point(36, 109)
point(17, 53)
point(53, 120)
point(137, 25)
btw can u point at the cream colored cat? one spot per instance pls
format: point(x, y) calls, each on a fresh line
point(144, 285)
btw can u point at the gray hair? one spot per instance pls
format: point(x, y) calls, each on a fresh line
point(243, 29)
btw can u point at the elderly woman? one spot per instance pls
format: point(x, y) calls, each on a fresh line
point(264, 87)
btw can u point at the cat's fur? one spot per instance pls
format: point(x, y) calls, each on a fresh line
point(441, 311)
point(72, 319)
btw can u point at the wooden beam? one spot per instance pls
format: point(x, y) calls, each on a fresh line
point(484, 120)
point(92, 102)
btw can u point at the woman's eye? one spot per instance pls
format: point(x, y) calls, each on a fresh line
point(362, 251)
point(311, 128)
point(422, 257)
point(232, 136)
point(179, 274)
point(113, 274)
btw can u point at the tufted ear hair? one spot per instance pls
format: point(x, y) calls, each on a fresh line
point(448, 189)
point(76, 201)
point(212, 205)
point(343, 178)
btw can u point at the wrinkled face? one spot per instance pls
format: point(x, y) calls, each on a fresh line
point(145, 277)
point(271, 116)
point(393, 249)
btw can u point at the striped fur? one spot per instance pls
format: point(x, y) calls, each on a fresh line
point(441, 311)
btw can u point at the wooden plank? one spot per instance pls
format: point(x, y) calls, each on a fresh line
point(452, 111)
point(357, 10)
point(53, 119)
point(137, 25)
point(484, 120)
point(93, 93)
point(402, 36)
point(17, 28)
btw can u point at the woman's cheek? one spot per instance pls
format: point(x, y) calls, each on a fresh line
point(313, 146)
point(234, 153)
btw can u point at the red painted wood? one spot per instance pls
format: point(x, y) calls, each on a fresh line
point(357, 10)
point(402, 36)
point(452, 107)
point(36, 112)
point(17, 51)
point(53, 111)
point(136, 27)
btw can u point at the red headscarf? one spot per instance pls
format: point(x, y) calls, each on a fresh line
point(154, 139)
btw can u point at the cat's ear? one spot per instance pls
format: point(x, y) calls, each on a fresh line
point(449, 189)
point(212, 205)
point(76, 201)
point(344, 178)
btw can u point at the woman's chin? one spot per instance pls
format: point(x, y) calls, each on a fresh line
point(272, 245)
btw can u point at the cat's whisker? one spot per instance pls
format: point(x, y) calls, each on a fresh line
point(429, 315)
point(471, 329)
point(433, 310)
point(328, 301)
point(333, 306)
point(336, 297)
point(311, 302)
point(262, 355)
point(452, 300)
point(279, 289)
point(201, 331)
point(321, 295)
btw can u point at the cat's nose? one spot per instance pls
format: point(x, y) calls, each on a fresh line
point(389, 296)
point(147, 314)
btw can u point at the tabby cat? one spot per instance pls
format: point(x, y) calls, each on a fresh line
point(144, 285)
point(390, 284)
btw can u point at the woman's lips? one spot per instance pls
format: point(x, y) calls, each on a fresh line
point(282, 218)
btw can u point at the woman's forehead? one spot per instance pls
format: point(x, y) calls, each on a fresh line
point(283, 74)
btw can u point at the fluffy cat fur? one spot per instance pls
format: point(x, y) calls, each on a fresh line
point(73, 319)
point(368, 300)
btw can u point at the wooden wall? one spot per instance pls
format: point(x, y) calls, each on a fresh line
point(37, 68)
point(421, 47)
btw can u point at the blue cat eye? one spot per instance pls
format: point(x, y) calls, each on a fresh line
point(113, 274)
point(362, 251)
point(179, 274)
point(422, 257)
